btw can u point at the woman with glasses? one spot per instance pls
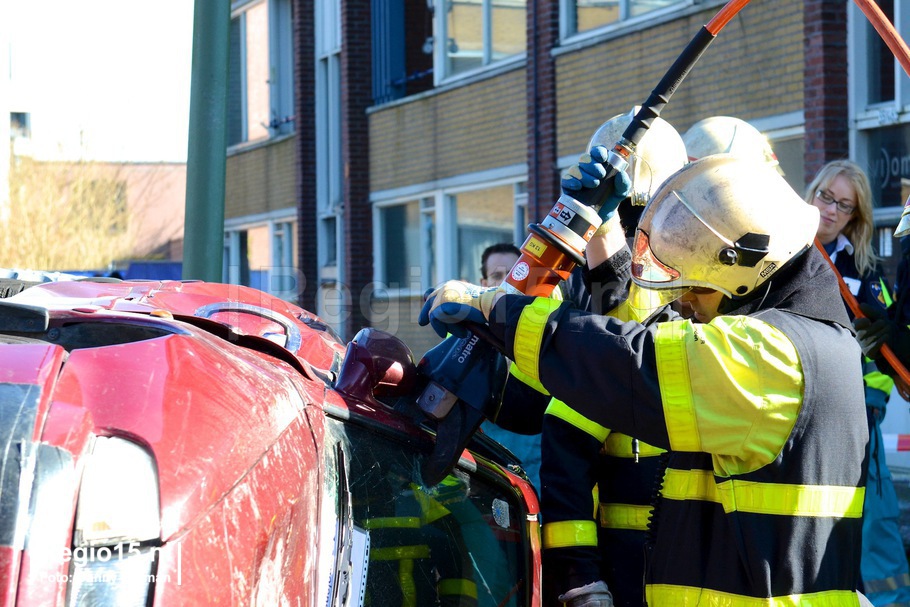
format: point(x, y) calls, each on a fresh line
point(841, 193)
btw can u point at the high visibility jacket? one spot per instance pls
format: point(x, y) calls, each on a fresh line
point(763, 415)
point(602, 536)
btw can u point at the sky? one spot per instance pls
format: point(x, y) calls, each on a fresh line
point(102, 79)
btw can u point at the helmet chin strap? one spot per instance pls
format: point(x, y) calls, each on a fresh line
point(732, 305)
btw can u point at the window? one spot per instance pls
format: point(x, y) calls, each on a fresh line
point(586, 15)
point(463, 540)
point(260, 77)
point(20, 125)
point(263, 255)
point(476, 33)
point(880, 96)
point(401, 241)
point(484, 217)
point(422, 241)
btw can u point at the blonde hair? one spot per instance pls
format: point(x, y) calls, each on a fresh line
point(860, 228)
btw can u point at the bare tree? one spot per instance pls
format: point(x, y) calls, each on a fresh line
point(65, 216)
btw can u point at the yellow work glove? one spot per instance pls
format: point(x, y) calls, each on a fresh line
point(454, 302)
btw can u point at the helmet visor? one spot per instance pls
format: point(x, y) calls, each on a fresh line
point(646, 268)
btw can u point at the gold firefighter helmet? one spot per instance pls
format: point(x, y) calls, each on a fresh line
point(659, 154)
point(728, 135)
point(723, 223)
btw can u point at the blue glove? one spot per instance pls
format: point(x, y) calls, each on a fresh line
point(455, 302)
point(588, 173)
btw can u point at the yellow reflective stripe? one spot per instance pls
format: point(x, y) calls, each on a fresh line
point(765, 498)
point(559, 409)
point(625, 516)
point(565, 534)
point(399, 553)
point(889, 583)
point(665, 594)
point(529, 334)
point(673, 378)
point(879, 381)
point(406, 582)
point(457, 587)
point(620, 445)
point(392, 522)
point(527, 379)
point(792, 500)
point(689, 485)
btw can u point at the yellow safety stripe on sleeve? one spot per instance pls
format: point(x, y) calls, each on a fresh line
point(625, 516)
point(529, 334)
point(527, 379)
point(457, 587)
point(620, 445)
point(392, 522)
point(399, 553)
point(887, 584)
point(565, 534)
point(732, 387)
point(879, 381)
point(764, 498)
point(665, 594)
point(559, 409)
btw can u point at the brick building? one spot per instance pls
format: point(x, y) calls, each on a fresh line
point(416, 141)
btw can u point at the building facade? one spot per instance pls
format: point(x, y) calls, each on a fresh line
point(423, 131)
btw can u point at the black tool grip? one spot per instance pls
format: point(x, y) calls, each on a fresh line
point(596, 197)
point(649, 112)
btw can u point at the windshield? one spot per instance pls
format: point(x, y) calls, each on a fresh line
point(459, 543)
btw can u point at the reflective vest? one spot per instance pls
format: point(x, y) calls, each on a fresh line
point(786, 532)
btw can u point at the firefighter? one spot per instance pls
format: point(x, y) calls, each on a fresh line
point(729, 135)
point(759, 402)
point(609, 546)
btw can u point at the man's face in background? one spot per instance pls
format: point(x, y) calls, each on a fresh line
point(497, 268)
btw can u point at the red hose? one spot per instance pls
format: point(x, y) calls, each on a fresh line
point(723, 16)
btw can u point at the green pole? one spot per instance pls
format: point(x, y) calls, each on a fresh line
point(203, 232)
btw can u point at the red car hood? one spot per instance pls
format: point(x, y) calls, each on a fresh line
point(206, 407)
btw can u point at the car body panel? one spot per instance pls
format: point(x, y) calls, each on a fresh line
point(231, 393)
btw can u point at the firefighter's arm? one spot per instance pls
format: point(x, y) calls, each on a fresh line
point(583, 359)
point(732, 387)
point(676, 385)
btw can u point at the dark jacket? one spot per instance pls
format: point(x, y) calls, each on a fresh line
point(736, 402)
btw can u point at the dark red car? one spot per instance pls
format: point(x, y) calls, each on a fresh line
point(190, 443)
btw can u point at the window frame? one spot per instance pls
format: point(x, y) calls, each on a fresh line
point(281, 250)
point(440, 57)
point(280, 70)
point(866, 117)
point(442, 205)
point(567, 19)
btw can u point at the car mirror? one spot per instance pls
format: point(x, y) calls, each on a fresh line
point(376, 364)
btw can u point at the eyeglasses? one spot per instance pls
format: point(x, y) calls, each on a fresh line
point(828, 199)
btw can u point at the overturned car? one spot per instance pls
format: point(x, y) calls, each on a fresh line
point(191, 443)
